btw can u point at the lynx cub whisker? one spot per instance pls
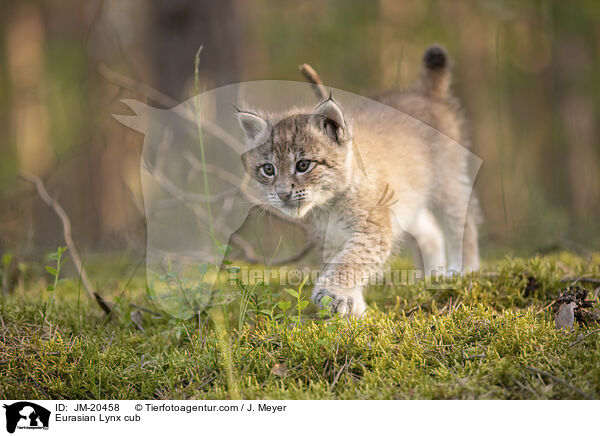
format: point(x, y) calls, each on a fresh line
point(411, 179)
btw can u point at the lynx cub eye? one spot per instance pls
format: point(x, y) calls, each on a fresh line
point(267, 170)
point(303, 166)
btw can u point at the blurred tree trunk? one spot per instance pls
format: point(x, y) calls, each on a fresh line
point(177, 28)
point(155, 42)
point(25, 46)
point(579, 119)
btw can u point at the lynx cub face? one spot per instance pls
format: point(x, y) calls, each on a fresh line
point(412, 179)
point(301, 160)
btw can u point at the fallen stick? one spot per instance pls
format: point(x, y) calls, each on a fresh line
point(559, 380)
point(66, 223)
point(151, 312)
point(581, 338)
point(574, 280)
point(156, 96)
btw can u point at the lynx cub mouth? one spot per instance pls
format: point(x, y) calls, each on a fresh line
point(414, 180)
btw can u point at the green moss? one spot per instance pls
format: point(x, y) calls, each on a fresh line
point(486, 336)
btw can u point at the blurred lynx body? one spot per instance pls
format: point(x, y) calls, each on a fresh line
point(410, 177)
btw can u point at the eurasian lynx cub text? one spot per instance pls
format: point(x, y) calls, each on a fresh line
point(411, 180)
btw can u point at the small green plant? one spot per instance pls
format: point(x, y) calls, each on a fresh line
point(248, 299)
point(326, 310)
point(185, 297)
point(301, 303)
point(263, 303)
point(57, 256)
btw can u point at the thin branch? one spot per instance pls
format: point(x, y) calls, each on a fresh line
point(66, 223)
point(151, 312)
point(293, 257)
point(473, 357)
point(552, 303)
point(170, 187)
point(104, 305)
point(166, 101)
point(574, 280)
point(139, 88)
point(559, 380)
point(222, 174)
point(339, 373)
point(581, 338)
point(313, 78)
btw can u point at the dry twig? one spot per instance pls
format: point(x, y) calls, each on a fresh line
point(166, 101)
point(581, 338)
point(66, 223)
point(574, 280)
point(559, 380)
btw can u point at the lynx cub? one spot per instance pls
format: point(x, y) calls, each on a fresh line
point(411, 181)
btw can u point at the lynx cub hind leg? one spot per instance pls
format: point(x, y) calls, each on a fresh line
point(458, 222)
point(463, 250)
point(470, 244)
point(430, 240)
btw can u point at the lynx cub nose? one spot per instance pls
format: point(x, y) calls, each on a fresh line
point(284, 194)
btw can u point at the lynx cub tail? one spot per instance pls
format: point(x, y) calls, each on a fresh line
point(413, 180)
point(435, 78)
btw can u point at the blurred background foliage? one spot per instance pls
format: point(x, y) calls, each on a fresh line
point(527, 74)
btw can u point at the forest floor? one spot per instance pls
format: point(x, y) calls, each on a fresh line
point(484, 336)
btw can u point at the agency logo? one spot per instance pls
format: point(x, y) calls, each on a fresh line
point(26, 415)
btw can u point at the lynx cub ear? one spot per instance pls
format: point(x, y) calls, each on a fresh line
point(252, 124)
point(329, 117)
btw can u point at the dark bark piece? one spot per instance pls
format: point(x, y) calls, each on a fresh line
point(575, 298)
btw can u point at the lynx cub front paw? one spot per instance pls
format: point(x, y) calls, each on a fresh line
point(340, 303)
